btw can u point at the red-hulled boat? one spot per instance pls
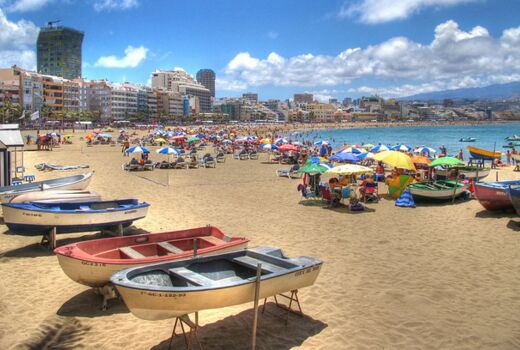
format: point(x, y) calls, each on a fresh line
point(93, 262)
point(493, 195)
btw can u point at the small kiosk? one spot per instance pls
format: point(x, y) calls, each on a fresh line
point(11, 154)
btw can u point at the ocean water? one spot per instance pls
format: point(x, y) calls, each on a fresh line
point(490, 136)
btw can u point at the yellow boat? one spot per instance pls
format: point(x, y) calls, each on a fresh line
point(479, 153)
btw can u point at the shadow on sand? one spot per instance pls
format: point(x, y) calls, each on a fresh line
point(56, 332)
point(234, 332)
point(513, 225)
point(36, 250)
point(88, 304)
point(486, 214)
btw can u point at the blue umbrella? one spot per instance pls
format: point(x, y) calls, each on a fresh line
point(404, 148)
point(352, 150)
point(321, 143)
point(379, 148)
point(168, 150)
point(269, 146)
point(138, 149)
point(344, 157)
point(281, 140)
point(200, 135)
point(421, 150)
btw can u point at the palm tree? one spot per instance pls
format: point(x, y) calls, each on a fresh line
point(10, 111)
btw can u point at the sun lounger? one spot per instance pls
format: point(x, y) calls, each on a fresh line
point(243, 156)
point(193, 164)
point(220, 157)
point(180, 163)
point(163, 165)
point(291, 173)
point(253, 155)
point(207, 161)
point(130, 166)
point(148, 165)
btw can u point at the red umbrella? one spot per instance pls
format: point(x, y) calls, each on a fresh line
point(178, 137)
point(288, 147)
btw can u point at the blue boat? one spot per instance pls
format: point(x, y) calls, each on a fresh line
point(513, 192)
point(36, 218)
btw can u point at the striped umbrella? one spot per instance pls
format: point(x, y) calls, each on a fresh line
point(281, 140)
point(403, 148)
point(138, 149)
point(379, 148)
point(424, 150)
point(321, 143)
point(168, 150)
point(269, 146)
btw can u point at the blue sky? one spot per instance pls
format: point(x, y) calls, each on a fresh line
point(276, 48)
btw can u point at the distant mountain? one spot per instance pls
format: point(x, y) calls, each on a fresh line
point(496, 91)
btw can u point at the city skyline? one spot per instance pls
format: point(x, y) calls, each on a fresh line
point(332, 50)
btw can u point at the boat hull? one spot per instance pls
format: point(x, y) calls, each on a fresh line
point(514, 195)
point(479, 153)
point(420, 192)
point(97, 274)
point(153, 305)
point(76, 182)
point(31, 222)
point(493, 195)
point(71, 196)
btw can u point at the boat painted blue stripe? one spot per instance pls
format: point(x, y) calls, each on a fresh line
point(76, 207)
point(37, 230)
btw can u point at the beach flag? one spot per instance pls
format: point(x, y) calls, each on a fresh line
point(35, 115)
point(23, 115)
point(406, 200)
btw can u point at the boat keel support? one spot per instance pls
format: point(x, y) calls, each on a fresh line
point(293, 299)
point(108, 292)
point(115, 231)
point(50, 239)
point(188, 330)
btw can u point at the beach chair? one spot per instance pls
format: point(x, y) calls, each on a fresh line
point(220, 157)
point(291, 173)
point(131, 166)
point(253, 155)
point(163, 165)
point(208, 161)
point(370, 192)
point(180, 163)
point(306, 194)
point(243, 156)
point(193, 164)
point(148, 165)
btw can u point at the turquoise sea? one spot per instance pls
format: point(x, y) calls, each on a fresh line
point(489, 136)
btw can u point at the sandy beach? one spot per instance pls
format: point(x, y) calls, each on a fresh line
point(435, 277)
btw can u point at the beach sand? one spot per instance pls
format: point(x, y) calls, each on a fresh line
point(434, 277)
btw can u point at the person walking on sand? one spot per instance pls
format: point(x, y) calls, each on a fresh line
point(508, 157)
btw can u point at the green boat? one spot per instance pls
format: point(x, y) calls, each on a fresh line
point(440, 190)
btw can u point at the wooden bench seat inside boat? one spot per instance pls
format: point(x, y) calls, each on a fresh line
point(170, 247)
point(250, 262)
point(212, 239)
point(191, 276)
point(131, 253)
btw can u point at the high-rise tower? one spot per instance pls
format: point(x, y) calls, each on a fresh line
point(59, 51)
point(206, 77)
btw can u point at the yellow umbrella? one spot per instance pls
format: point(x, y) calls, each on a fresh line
point(265, 141)
point(160, 139)
point(350, 169)
point(395, 159)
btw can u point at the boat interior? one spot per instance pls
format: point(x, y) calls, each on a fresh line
point(232, 269)
point(146, 249)
point(435, 186)
point(86, 206)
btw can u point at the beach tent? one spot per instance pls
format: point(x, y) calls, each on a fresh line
point(405, 200)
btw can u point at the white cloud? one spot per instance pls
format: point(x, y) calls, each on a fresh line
point(380, 11)
point(452, 55)
point(17, 40)
point(23, 5)
point(109, 5)
point(133, 57)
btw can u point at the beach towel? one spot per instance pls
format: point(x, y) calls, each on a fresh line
point(405, 200)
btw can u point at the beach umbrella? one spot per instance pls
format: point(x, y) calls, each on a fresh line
point(227, 141)
point(321, 143)
point(178, 137)
point(367, 155)
point(447, 161)
point(379, 148)
point(395, 159)
point(344, 157)
point(160, 139)
point(421, 150)
point(200, 135)
point(368, 146)
point(287, 147)
point(265, 140)
point(316, 160)
point(350, 169)
point(281, 140)
point(315, 168)
point(168, 150)
point(269, 146)
point(108, 136)
point(421, 160)
point(353, 150)
point(403, 148)
point(397, 184)
point(193, 139)
point(137, 149)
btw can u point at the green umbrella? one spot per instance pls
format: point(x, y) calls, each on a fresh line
point(193, 139)
point(448, 161)
point(314, 168)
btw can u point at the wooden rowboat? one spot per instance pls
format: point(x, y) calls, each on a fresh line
point(479, 153)
point(93, 262)
point(173, 289)
point(75, 182)
point(440, 190)
point(493, 195)
point(39, 218)
point(72, 196)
